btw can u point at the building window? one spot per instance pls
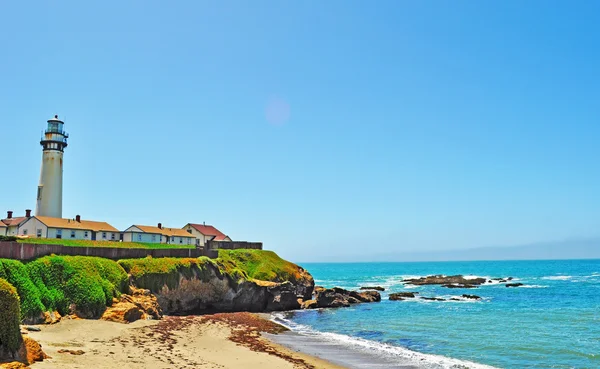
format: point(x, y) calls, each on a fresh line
point(172, 239)
point(85, 234)
point(103, 235)
point(24, 232)
point(153, 238)
point(112, 236)
point(180, 239)
point(139, 237)
point(39, 193)
point(38, 233)
point(72, 234)
point(59, 233)
point(188, 241)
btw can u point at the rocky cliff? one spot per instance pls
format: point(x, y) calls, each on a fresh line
point(131, 289)
point(240, 280)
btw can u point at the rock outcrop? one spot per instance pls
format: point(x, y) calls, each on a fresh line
point(433, 298)
point(514, 284)
point(31, 351)
point(141, 304)
point(334, 297)
point(471, 297)
point(468, 285)
point(339, 297)
point(309, 304)
point(46, 317)
point(402, 295)
point(200, 286)
point(374, 288)
point(445, 280)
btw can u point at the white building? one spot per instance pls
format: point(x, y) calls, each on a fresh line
point(68, 229)
point(50, 188)
point(204, 233)
point(12, 224)
point(3, 229)
point(159, 234)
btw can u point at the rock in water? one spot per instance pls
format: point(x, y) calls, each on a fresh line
point(375, 288)
point(433, 298)
point(514, 284)
point(445, 280)
point(339, 297)
point(459, 286)
point(402, 295)
point(472, 297)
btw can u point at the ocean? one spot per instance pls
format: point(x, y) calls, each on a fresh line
point(552, 321)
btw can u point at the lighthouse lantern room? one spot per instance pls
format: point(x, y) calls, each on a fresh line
point(49, 195)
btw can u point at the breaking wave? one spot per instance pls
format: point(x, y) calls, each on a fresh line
point(400, 355)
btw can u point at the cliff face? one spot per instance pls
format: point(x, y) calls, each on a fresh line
point(240, 280)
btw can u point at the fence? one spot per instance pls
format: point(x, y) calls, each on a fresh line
point(233, 245)
point(28, 251)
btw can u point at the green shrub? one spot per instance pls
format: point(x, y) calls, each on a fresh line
point(88, 282)
point(16, 274)
point(8, 238)
point(258, 264)
point(10, 333)
point(154, 273)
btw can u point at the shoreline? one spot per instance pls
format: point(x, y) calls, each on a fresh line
point(230, 340)
point(359, 353)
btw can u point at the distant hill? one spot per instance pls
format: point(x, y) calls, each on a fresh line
point(570, 249)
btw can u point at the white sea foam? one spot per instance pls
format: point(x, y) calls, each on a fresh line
point(402, 354)
point(558, 277)
point(533, 286)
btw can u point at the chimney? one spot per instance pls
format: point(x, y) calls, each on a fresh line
point(159, 225)
point(28, 213)
point(9, 214)
point(78, 218)
point(204, 223)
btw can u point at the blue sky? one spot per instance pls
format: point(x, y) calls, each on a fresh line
point(320, 128)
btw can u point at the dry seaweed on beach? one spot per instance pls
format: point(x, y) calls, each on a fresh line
point(246, 329)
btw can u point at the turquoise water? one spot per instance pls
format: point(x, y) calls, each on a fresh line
point(551, 322)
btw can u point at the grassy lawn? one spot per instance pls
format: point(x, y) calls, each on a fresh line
point(86, 243)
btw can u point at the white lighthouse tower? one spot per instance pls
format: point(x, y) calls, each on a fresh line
point(49, 196)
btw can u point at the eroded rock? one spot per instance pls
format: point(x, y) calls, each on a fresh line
point(309, 304)
point(339, 297)
point(141, 304)
point(402, 295)
point(282, 296)
point(123, 312)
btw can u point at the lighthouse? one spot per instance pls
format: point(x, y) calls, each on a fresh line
point(49, 195)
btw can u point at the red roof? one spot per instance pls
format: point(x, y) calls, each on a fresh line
point(209, 230)
point(14, 221)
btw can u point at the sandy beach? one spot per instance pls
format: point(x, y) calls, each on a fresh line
point(214, 341)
